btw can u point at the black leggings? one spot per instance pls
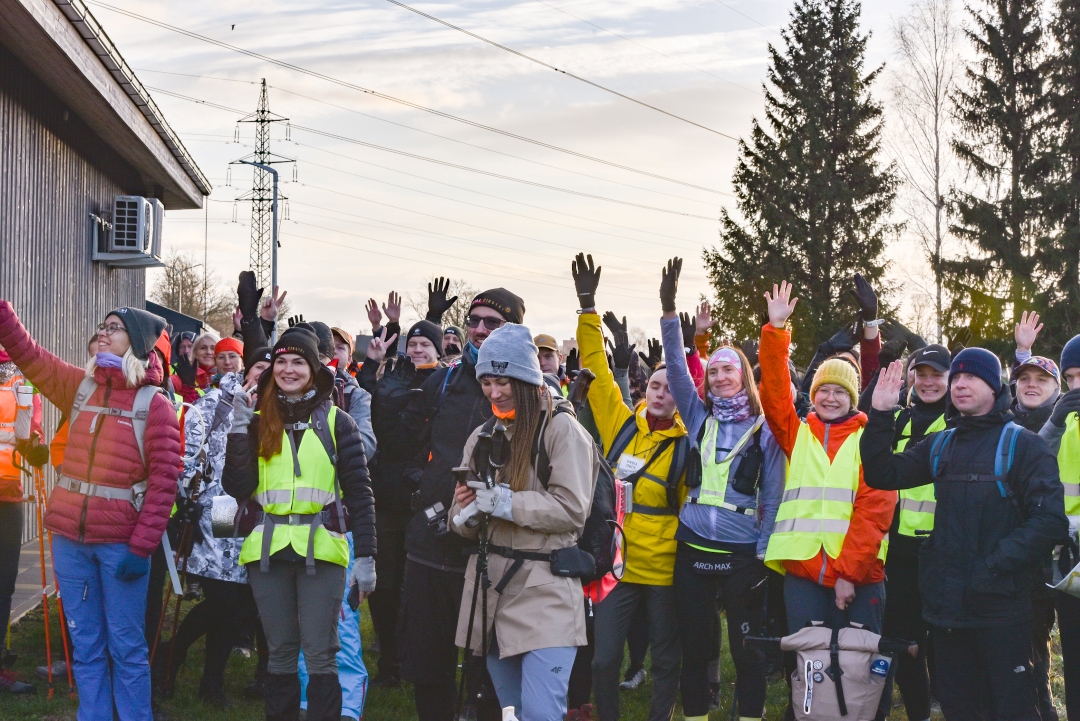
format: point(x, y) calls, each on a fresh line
point(903, 619)
point(11, 527)
point(742, 593)
point(224, 616)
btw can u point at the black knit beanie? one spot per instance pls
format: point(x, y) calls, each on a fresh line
point(303, 342)
point(509, 306)
point(325, 336)
point(256, 355)
point(143, 329)
point(429, 330)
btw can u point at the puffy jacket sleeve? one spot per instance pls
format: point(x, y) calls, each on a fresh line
point(162, 444)
point(605, 398)
point(697, 372)
point(57, 380)
point(565, 505)
point(776, 397)
point(868, 358)
point(360, 412)
point(240, 474)
point(352, 473)
point(887, 470)
point(870, 520)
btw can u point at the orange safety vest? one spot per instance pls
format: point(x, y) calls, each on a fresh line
point(10, 474)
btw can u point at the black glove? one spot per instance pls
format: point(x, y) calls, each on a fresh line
point(749, 348)
point(689, 330)
point(890, 351)
point(33, 451)
point(864, 295)
point(614, 325)
point(452, 349)
point(437, 302)
point(669, 285)
point(296, 320)
point(187, 510)
point(960, 340)
point(621, 350)
point(186, 370)
point(248, 296)
point(843, 340)
point(586, 278)
point(1066, 404)
point(893, 330)
point(573, 363)
point(656, 354)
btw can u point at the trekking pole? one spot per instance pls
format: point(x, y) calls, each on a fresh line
point(39, 485)
point(176, 615)
point(39, 492)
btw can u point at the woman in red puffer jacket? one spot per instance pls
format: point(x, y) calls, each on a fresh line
point(107, 523)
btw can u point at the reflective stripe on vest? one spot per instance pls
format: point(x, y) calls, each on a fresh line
point(715, 476)
point(917, 505)
point(281, 493)
point(1069, 465)
point(819, 498)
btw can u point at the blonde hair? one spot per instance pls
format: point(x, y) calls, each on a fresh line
point(208, 335)
point(133, 368)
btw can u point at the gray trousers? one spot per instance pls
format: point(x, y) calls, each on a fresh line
point(298, 610)
point(612, 623)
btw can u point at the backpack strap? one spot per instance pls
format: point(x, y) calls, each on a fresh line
point(86, 389)
point(446, 381)
point(940, 441)
point(540, 453)
point(141, 411)
point(622, 439)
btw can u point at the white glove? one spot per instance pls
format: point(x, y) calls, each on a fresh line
point(363, 574)
point(497, 501)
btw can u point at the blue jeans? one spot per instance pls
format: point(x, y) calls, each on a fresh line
point(534, 683)
point(87, 573)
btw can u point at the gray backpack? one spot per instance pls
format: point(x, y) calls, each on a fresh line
point(140, 410)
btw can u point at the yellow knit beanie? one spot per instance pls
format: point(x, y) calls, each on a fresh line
point(839, 372)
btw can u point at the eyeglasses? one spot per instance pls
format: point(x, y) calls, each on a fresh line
point(474, 321)
point(110, 328)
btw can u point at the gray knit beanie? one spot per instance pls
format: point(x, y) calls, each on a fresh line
point(509, 353)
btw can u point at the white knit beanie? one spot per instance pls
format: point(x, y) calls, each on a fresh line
point(509, 352)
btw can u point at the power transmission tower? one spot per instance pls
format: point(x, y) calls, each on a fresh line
point(261, 194)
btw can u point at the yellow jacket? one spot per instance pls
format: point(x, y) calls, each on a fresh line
point(650, 539)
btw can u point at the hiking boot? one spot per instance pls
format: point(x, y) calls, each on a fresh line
point(59, 668)
point(714, 696)
point(10, 683)
point(634, 681)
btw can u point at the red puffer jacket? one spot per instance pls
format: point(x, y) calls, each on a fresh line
point(109, 456)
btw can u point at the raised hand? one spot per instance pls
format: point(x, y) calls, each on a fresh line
point(272, 306)
point(842, 340)
point(374, 316)
point(573, 361)
point(864, 295)
point(621, 350)
point(960, 340)
point(781, 304)
point(247, 295)
point(1027, 330)
point(703, 320)
point(891, 350)
point(296, 320)
point(655, 355)
point(586, 278)
point(669, 285)
point(376, 350)
point(392, 308)
point(689, 331)
point(185, 370)
point(1068, 403)
point(437, 302)
point(614, 325)
point(889, 385)
point(237, 318)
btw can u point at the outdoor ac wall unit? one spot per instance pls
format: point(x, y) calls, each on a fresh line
point(131, 237)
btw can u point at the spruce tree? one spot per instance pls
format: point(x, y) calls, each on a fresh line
point(813, 193)
point(1003, 116)
point(1059, 249)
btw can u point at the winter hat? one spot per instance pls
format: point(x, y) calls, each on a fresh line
point(509, 306)
point(229, 344)
point(839, 372)
point(165, 347)
point(259, 354)
point(427, 329)
point(1070, 354)
point(345, 337)
point(303, 342)
point(143, 329)
point(509, 353)
point(978, 362)
point(325, 336)
point(1044, 364)
point(936, 356)
point(455, 331)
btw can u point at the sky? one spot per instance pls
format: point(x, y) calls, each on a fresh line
point(363, 221)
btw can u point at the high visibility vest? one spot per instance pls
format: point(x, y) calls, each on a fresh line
point(819, 498)
point(917, 505)
point(283, 493)
point(1069, 468)
point(714, 476)
point(10, 473)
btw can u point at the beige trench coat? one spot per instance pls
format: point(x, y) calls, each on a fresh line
point(536, 609)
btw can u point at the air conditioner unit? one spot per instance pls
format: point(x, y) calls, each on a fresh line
point(131, 238)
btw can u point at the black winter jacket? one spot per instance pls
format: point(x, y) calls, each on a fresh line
point(977, 567)
point(439, 421)
point(240, 476)
point(921, 415)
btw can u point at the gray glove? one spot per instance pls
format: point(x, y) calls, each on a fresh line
point(242, 412)
point(363, 574)
point(497, 501)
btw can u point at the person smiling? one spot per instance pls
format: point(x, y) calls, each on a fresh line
point(833, 553)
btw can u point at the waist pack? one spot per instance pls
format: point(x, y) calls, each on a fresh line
point(840, 672)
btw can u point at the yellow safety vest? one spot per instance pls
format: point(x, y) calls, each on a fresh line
point(819, 498)
point(714, 476)
point(917, 505)
point(282, 493)
point(1069, 467)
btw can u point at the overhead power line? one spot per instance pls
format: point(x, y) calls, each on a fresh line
point(567, 73)
point(414, 156)
point(384, 96)
point(740, 12)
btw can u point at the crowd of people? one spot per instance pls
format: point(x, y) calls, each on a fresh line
point(516, 518)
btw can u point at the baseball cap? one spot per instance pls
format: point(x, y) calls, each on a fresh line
point(546, 341)
point(1044, 364)
point(935, 356)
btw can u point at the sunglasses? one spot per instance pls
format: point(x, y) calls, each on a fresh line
point(474, 321)
point(110, 328)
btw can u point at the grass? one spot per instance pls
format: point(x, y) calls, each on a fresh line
point(28, 641)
